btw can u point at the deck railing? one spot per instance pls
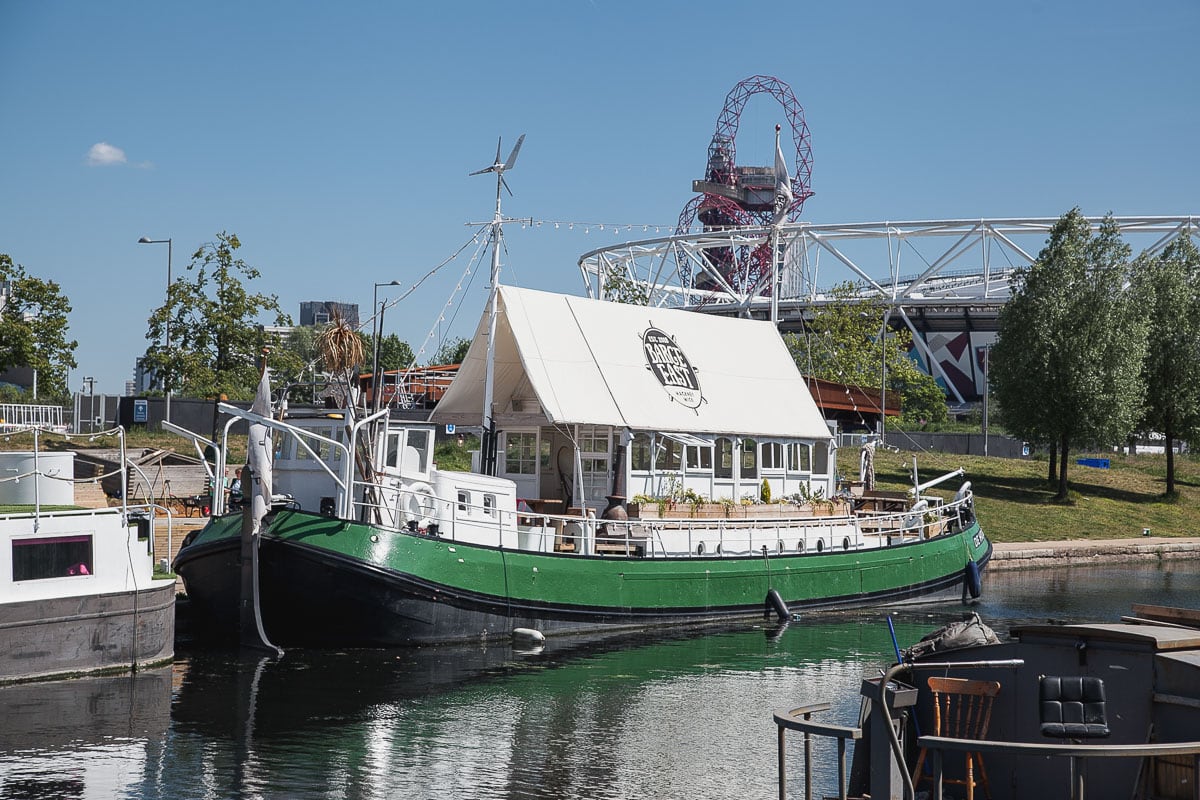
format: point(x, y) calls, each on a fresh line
point(543, 532)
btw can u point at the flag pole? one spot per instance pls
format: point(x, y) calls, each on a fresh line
point(783, 202)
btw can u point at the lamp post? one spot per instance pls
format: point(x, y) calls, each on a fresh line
point(167, 331)
point(377, 328)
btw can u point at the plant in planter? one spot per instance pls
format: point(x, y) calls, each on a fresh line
point(764, 493)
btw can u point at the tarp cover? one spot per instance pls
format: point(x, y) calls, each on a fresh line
point(570, 360)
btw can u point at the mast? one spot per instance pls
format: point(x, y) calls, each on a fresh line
point(488, 449)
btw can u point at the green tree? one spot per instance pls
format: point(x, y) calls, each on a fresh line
point(33, 329)
point(452, 351)
point(1168, 290)
point(1066, 366)
point(845, 341)
point(216, 340)
point(394, 353)
point(294, 356)
point(620, 288)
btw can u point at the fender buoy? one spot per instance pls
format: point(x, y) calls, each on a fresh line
point(775, 603)
point(421, 506)
point(972, 582)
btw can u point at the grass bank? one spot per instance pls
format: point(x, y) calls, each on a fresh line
point(1015, 503)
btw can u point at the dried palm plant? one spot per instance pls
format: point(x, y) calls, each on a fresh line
point(340, 348)
point(342, 351)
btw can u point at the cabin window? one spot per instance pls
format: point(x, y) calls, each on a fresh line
point(285, 446)
point(639, 452)
point(821, 458)
point(52, 557)
point(520, 453)
point(393, 450)
point(489, 505)
point(772, 456)
point(749, 458)
point(324, 448)
point(337, 434)
point(464, 500)
point(668, 454)
point(724, 458)
point(799, 457)
point(699, 457)
point(417, 450)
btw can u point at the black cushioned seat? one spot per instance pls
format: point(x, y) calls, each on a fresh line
point(1073, 707)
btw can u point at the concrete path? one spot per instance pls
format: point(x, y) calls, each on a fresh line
point(1027, 555)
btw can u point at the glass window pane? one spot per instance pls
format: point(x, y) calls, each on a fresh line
point(54, 557)
point(724, 458)
point(749, 458)
point(639, 452)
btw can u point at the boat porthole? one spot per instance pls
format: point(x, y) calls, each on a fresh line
point(779, 547)
point(375, 538)
point(800, 546)
point(700, 549)
point(718, 548)
point(820, 545)
point(846, 543)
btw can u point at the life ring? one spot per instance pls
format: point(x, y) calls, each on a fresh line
point(421, 505)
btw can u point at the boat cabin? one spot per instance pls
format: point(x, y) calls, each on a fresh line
point(594, 398)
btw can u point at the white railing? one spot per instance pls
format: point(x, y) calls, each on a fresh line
point(541, 532)
point(18, 415)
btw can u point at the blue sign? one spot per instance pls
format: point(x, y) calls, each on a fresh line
point(449, 427)
point(141, 410)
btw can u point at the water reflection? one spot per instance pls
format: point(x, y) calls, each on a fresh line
point(687, 714)
point(91, 737)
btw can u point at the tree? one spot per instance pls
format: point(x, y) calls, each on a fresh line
point(1066, 366)
point(452, 351)
point(1168, 289)
point(394, 353)
point(845, 341)
point(33, 329)
point(620, 288)
point(294, 356)
point(216, 340)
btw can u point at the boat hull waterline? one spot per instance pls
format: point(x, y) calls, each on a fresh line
point(328, 581)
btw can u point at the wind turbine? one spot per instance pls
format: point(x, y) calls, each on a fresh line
point(489, 444)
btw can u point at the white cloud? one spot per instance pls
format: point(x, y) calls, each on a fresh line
point(103, 154)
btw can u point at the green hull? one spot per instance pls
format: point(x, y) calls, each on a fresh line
point(421, 589)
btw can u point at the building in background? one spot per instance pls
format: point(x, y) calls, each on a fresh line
point(321, 312)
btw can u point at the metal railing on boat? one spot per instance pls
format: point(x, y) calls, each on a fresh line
point(648, 537)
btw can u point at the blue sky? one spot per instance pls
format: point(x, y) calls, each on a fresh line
point(335, 139)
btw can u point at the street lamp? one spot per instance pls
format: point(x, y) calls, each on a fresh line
point(377, 327)
point(167, 332)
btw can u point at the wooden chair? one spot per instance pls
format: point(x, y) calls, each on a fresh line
point(962, 709)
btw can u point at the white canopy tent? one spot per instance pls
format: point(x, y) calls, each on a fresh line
point(563, 360)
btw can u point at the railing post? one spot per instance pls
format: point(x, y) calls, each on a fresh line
point(782, 766)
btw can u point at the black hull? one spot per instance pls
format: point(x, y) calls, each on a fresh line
point(311, 597)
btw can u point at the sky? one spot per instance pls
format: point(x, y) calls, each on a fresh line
point(335, 139)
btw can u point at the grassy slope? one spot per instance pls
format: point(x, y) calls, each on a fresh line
point(1014, 501)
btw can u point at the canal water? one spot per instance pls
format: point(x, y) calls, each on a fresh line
point(679, 715)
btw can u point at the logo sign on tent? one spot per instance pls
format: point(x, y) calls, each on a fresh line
point(672, 368)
